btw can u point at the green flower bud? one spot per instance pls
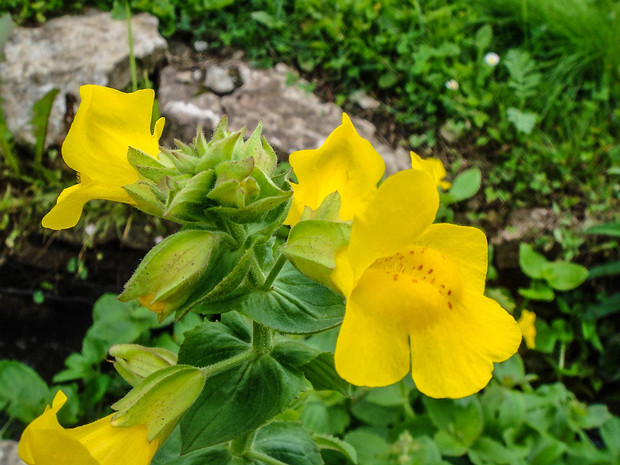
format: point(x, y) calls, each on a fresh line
point(203, 182)
point(168, 273)
point(135, 362)
point(160, 400)
point(313, 241)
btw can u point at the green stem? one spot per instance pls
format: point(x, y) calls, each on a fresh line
point(132, 56)
point(241, 445)
point(225, 365)
point(264, 458)
point(273, 274)
point(262, 338)
point(562, 359)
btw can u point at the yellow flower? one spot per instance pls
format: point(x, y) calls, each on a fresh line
point(106, 124)
point(415, 296)
point(45, 442)
point(346, 163)
point(434, 167)
point(526, 323)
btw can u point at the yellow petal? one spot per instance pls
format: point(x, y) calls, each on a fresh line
point(115, 445)
point(46, 442)
point(346, 163)
point(404, 206)
point(526, 323)
point(372, 348)
point(106, 124)
point(55, 447)
point(452, 355)
point(464, 245)
point(433, 166)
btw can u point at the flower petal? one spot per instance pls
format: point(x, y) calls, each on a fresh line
point(372, 347)
point(115, 445)
point(464, 245)
point(106, 124)
point(346, 163)
point(404, 206)
point(452, 356)
point(54, 447)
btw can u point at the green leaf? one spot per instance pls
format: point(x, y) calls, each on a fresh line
point(466, 184)
point(607, 229)
point(538, 290)
point(564, 276)
point(6, 26)
point(318, 367)
point(294, 304)
point(487, 450)
point(607, 269)
point(286, 442)
point(170, 453)
point(510, 372)
point(22, 391)
point(387, 80)
point(371, 448)
point(449, 445)
point(523, 121)
point(610, 432)
point(531, 262)
point(40, 116)
point(462, 418)
point(319, 417)
point(325, 441)
point(483, 38)
point(604, 308)
point(264, 18)
point(221, 412)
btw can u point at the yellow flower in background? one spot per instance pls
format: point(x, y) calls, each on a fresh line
point(526, 323)
point(45, 442)
point(106, 124)
point(434, 167)
point(346, 163)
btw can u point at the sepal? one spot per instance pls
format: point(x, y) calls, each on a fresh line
point(135, 362)
point(160, 400)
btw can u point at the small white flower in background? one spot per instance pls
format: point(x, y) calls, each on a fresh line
point(90, 229)
point(201, 46)
point(452, 84)
point(491, 59)
point(158, 239)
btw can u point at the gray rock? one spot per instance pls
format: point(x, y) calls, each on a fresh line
point(8, 453)
point(222, 79)
point(66, 53)
point(293, 117)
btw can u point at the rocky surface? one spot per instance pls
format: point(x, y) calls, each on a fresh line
point(523, 225)
point(293, 117)
point(8, 453)
point(65, 53)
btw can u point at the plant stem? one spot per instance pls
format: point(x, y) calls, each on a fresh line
point(225, 365)
point(264, 458)
point(132, 56)
point(261, 339)
point(241, 445)
point(273, 273)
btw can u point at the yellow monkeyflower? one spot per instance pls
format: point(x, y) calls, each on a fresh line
point(415, 296)
point(434, 167)
point(346, 163)
point(45, 442)
point(106, 124)
point(526, 323)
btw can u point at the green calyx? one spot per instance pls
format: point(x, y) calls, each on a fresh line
point(135, 362)
point(160, 400)
point(223, 177)
point(313, 242)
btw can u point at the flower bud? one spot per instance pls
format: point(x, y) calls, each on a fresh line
point(135, 362)
point(160, 400)
point(168, 273)
point(313, 241)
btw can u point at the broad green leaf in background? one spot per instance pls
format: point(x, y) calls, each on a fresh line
point(465, 186)
point(325, 441)
point(607, 229)
point(22, 391)
point(564, 276)
point(286, 442)
point(372, 449)
point(530, 261)
point(523, 121)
